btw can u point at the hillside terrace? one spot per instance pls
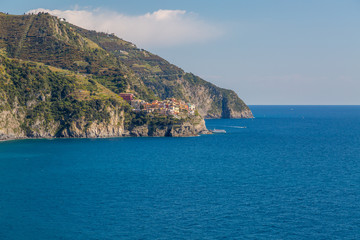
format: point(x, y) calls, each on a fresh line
point(170, 106)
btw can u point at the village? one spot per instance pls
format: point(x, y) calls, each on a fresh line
point(170, 106)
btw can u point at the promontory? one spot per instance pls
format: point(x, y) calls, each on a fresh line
point(60, 80)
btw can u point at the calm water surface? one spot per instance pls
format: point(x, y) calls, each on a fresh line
point(293, 172)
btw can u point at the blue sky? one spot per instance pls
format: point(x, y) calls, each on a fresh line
point(269, 52)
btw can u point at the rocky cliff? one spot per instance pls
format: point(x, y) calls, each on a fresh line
point(11, 127)
point(191, 127)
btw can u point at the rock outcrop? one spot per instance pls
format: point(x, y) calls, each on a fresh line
point(114, 127)
point(212, 101)
point(11, 128)
point(192, 127)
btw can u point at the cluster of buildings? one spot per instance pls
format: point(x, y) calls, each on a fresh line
point(170, 106)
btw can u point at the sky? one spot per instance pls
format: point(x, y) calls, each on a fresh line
point(270, 52)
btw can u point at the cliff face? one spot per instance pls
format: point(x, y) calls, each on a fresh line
point(191, 127)
point(11, 128)
point(212, 101)
point(16, 124)
point(113, 127)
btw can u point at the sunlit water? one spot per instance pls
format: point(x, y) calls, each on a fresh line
point(293, 172)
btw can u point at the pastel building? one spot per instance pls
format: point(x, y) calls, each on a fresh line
point(127, 96)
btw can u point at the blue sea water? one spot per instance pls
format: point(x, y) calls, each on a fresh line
point(293, 172)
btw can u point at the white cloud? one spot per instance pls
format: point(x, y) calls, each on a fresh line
point(162, 28)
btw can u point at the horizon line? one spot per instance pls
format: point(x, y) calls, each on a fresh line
point(303, 104)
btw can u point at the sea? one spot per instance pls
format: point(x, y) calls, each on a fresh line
point(292, 172)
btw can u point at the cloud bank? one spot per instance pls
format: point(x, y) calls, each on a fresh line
point(162, 28)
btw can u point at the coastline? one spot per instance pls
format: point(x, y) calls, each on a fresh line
point(76, 130)
point(110, 137)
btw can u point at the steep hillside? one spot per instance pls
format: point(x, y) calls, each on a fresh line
point(167, 80)
point(44, 38)
point(116, 64)
point(38, 102)
point(41, 101)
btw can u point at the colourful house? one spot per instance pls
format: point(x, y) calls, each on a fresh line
point(127, 96)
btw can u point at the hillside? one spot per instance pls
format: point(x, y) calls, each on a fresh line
point(41, 101)
point(114, 63)
point(167, 80)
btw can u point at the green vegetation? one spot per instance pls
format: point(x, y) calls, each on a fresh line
point(161, 77)
point(50, 96)
point(52, 71)
point(133, 119)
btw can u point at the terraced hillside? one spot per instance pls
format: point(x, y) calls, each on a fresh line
point(167, 80)
point(114, 63)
